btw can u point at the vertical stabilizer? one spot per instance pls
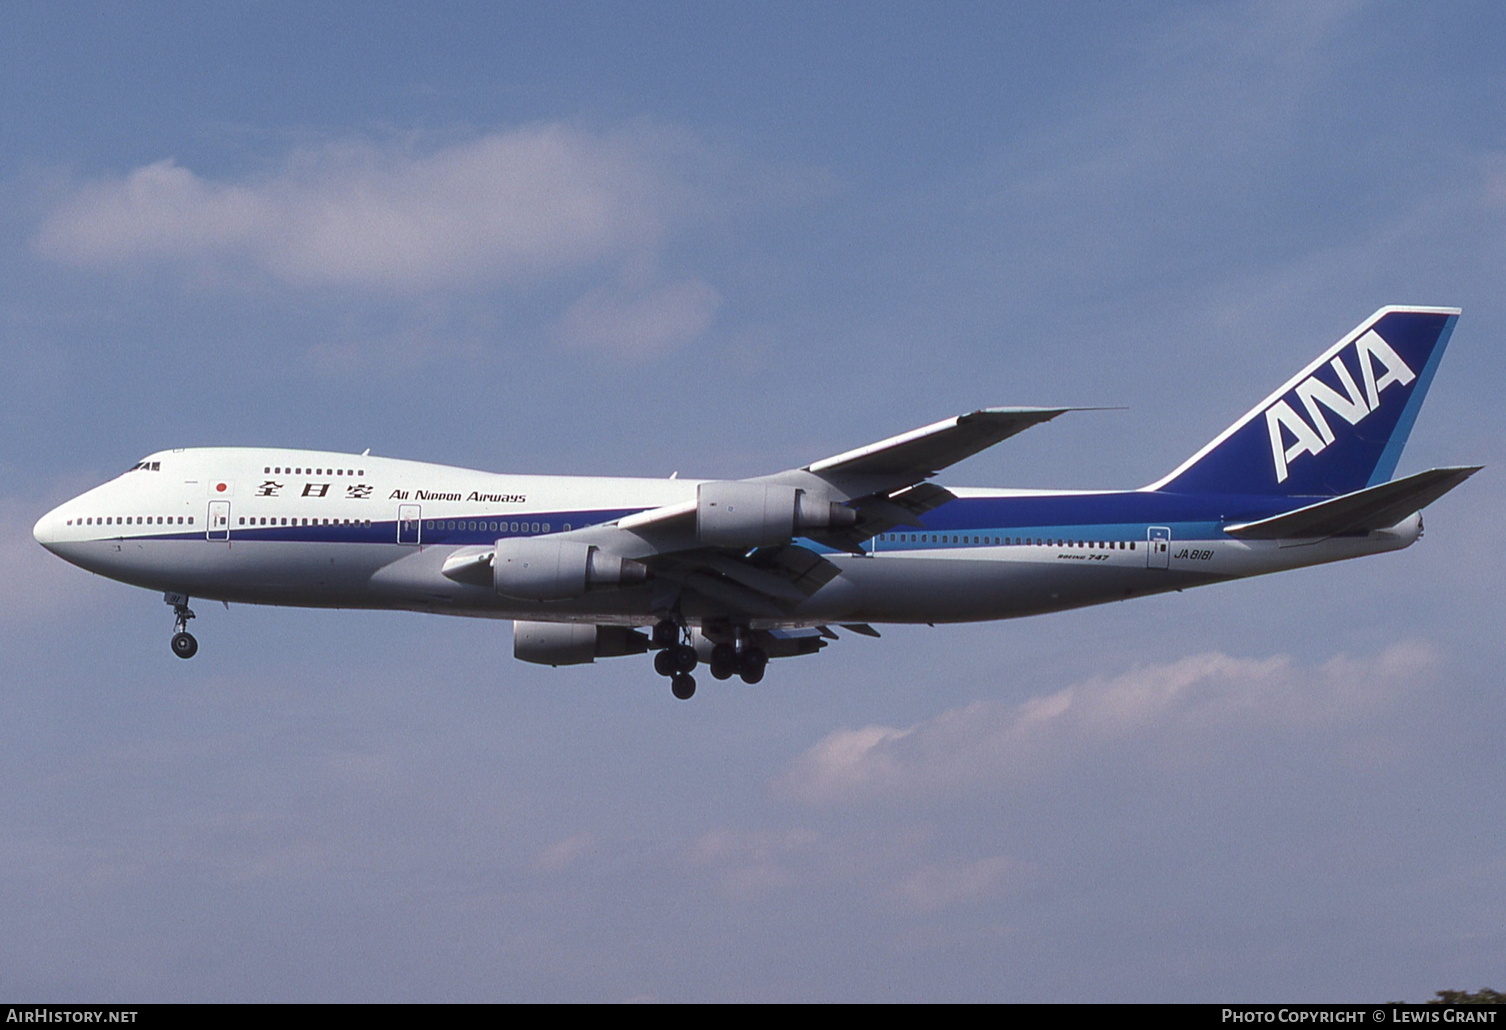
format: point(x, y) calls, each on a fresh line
point(1338, 425)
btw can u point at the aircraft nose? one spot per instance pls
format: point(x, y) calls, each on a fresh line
point(46, 531)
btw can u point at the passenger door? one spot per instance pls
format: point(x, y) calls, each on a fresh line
point(1158, 543)
point(218, 525)
point(409, 524)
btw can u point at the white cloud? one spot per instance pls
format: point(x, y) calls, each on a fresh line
point(549, 209)
point(563, 854)
point(509, 206)
point(844, 760)
point(1179, 713)
point(749, 862)
point(945, 885)
point(642, 323)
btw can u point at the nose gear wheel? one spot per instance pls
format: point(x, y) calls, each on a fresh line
point(183, 643)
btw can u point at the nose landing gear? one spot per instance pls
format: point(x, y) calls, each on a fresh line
point(183, 643)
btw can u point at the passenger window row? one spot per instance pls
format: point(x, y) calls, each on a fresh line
point(947, 538)
point(269, 521)
point(132, 520)
point(284, 470)
point(490, 527)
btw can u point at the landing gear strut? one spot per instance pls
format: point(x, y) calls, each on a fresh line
point(676, 658)
point(183, 643)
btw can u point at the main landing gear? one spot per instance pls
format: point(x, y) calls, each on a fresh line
point(739, 656)
point(184, 645)
point(676, 658)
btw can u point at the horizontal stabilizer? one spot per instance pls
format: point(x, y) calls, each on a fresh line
point(1375, 507)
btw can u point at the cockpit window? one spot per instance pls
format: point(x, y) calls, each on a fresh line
point(146, 466)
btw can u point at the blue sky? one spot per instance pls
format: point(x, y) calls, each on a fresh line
point(725, 239)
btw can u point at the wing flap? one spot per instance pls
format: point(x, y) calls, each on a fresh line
point(754, 578)
point(763, 583)
point(734, 596)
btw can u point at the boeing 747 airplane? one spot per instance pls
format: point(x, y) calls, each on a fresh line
point(733, 573)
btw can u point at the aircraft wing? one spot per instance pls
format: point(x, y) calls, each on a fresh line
point(734, 544)
point(883, 481)
point(921, 453)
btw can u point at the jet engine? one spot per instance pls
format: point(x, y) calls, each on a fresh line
point(551, 569)
point(569, 643)
point(745, 515)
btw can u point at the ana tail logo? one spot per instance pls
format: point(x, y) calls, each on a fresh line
point(1293, 436)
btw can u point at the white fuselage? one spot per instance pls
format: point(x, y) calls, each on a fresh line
point(320, 529)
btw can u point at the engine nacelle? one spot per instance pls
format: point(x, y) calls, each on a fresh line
point(551, 569)
point(570, 643)
point(746, 515)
